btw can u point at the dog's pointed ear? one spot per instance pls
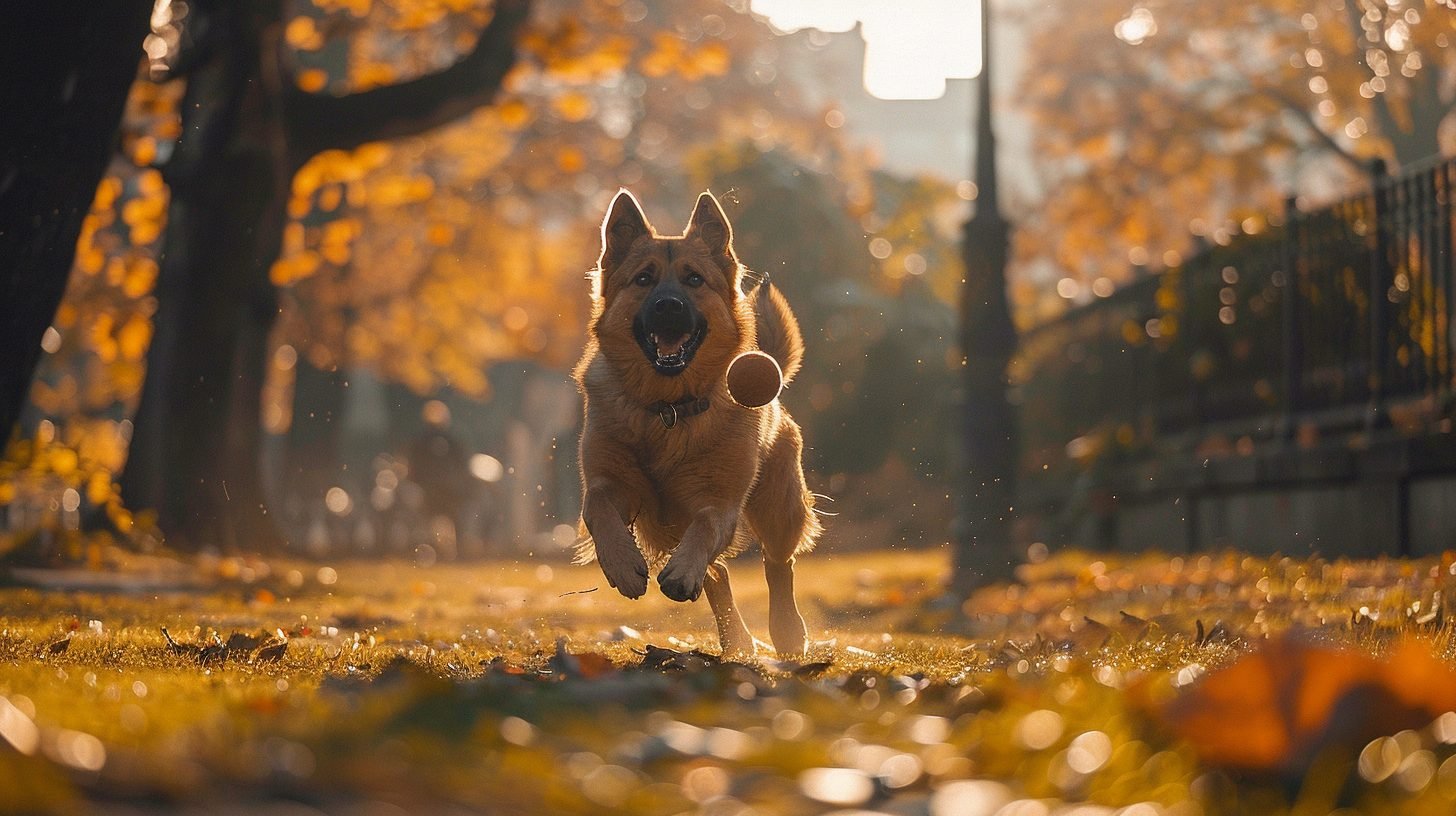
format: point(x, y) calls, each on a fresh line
point(624, 224)
point(710, 223)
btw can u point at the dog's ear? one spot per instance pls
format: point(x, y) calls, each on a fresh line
point(710, 223)
point(624, 224)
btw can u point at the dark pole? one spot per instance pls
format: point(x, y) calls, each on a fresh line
point(983, 548)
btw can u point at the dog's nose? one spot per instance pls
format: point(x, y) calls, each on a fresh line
point(669, 306)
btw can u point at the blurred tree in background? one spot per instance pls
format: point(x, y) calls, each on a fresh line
point(65, 81)
point(249, 121)
point(1155, 123)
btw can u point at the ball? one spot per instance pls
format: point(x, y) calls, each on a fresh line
point(754, 379)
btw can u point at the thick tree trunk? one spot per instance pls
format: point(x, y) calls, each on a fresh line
point(196, 450)
point(64, 78)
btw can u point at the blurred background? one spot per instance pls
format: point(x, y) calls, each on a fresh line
point(327, 294)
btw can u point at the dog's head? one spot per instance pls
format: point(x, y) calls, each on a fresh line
point(670, 304)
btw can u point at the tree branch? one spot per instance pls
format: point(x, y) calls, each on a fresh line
point(318, 122)
point(1308, 120)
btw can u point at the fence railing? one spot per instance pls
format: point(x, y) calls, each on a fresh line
point(1327, 319)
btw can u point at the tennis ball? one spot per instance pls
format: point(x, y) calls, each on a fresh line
point(754, 379)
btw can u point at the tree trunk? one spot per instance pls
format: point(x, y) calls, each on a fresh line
point(64, 78)
point(196, 450)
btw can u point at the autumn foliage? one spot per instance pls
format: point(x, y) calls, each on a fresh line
point(1154, 123)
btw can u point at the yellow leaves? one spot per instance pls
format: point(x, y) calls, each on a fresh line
point(150, 183)
point(665, 55)
point(144, 151)
point(570, 159)
point(112, 343)
point(337, 238)
point(330, 198)
point(99, 337)
point(394, 191)
point(303, 34)
point(440, 234)
point(673, 54)
point(711, 59)
point(513, 113)
point(331, 172)
point(146, 214)
point(62, 461)
point(573, 106)
point(106, 194)
point(133, 338)
point(373, 74)
point(312, 80)
point(293, 236)
point(89, 257)
point(293, 268)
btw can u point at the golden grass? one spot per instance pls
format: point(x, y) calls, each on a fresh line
point(511, 687)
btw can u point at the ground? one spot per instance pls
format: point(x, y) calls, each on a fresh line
point(1217, 683)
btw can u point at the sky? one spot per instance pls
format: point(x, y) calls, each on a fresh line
point(911, 46)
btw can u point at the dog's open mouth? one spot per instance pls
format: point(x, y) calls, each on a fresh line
point(671, 352)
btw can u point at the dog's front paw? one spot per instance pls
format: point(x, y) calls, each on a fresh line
point(625, 569)
point(681, 580)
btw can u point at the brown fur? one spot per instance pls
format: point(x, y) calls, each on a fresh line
point(690, 496)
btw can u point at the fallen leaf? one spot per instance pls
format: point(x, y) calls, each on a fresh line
point(1279, 708)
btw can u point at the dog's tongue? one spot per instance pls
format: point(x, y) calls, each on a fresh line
point(667, 348)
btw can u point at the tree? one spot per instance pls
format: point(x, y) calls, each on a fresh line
point(1167, 120)
point(65, 80)
point(248, 125)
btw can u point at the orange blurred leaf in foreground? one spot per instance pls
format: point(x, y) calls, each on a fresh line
point(1278, 709)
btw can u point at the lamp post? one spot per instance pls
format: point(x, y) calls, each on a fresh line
point(982, 536)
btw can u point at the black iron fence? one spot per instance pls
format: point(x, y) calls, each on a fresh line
point(1329, 320)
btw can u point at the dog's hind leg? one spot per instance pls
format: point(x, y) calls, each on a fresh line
point(781, 513)
point(785, 624)
point(733, 635)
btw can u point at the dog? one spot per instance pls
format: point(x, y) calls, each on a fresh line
point(674, 472)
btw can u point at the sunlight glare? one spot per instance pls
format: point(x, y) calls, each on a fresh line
point(911, 48)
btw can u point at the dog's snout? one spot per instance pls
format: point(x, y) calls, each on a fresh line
point(669, 306)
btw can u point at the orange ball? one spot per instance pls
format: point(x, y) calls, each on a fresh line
point(754, 379)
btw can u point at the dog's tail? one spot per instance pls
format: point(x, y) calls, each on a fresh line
point(778, 330)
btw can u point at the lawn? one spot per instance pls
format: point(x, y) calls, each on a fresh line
point(1095, 685)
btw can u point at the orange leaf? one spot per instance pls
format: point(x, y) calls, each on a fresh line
point(1279, 708)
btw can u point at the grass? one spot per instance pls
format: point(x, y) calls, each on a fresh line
point(534, 688)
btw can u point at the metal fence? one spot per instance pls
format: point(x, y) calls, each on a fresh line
point(1324, 321)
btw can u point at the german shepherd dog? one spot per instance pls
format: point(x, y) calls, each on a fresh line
point(674, 472)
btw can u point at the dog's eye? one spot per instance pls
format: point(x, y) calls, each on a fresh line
point(693, 279)
point(644, 278)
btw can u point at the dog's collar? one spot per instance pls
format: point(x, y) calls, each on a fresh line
point(671, 412)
